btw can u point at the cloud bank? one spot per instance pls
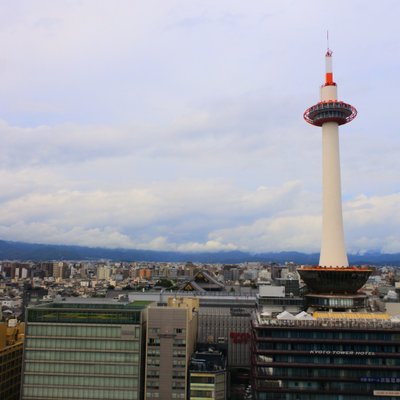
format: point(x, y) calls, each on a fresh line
point(178, 125)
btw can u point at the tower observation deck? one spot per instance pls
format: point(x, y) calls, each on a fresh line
point(329, 109)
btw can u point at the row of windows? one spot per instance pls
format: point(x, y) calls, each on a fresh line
point(324, 372)
point(325, 114)
point(339, 360)
point(327, 346)
point(329, 334)
point(152, 395)
point(179, 342)
point(157, 342)
point(202, 393)
point(79, 331)
point(178, 363)
point(201, 379)
point(79, 394)
point(178, 395)
point(158, 330)
point(156, 395)
point(153, 374)
point(85, 356)
point(339, 386)
point(153, 362)
point(82, 368)
point(179, 353)
point(79, 344)
point(328, 360)
point(178, 385)
point(80, 381)
point(84, 316)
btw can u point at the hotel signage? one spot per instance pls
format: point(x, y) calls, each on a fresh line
point(341, 353)
point(379, 380)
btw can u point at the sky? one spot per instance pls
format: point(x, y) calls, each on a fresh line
point(178, 125)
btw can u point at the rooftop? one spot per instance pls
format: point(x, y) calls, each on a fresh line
point(332, 320)
point(88, 311)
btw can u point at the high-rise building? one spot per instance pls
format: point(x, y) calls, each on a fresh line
point(103, 272)
point(171, 340)
point(337, 348)
point(11, 345)
point(59, 270)
point(84, 349)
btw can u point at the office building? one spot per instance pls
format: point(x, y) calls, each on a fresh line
point(84, 349)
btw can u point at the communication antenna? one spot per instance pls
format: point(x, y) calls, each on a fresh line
point(328, 50)
point(327, 40)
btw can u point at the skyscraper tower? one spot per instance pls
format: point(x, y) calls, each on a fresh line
point(329, 113)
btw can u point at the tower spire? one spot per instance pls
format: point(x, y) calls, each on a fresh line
point(328, 64)
point(327, 41)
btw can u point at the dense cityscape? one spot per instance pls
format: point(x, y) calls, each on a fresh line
point(201, 320)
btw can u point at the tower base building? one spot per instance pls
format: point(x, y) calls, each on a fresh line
point(326, 356)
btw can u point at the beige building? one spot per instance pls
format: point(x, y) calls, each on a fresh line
point(59, 270)
point(171, 339)
point(11, 345)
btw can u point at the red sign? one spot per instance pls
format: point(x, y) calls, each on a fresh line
point(240, 337)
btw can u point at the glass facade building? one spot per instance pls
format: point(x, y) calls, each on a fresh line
point(85, 350)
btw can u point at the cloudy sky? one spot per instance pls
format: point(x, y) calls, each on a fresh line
point(177, 125)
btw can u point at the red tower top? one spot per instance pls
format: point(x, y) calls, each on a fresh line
point(328, 69)
point(329, 110)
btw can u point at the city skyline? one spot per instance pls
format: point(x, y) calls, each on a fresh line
point(178, 126)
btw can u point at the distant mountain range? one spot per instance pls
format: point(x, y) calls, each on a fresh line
point(40, 252)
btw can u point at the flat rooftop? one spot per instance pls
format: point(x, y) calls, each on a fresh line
point(338, 320)
point(93, 303)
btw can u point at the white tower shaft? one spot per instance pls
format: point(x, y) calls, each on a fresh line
point(333, 250)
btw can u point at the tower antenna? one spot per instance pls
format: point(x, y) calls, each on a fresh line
point(327, 40)
point(328, 50)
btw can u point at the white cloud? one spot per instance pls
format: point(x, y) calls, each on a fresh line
point(178, 125)
point(196, 216)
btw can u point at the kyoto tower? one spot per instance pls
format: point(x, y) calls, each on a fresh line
point(329, 113)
